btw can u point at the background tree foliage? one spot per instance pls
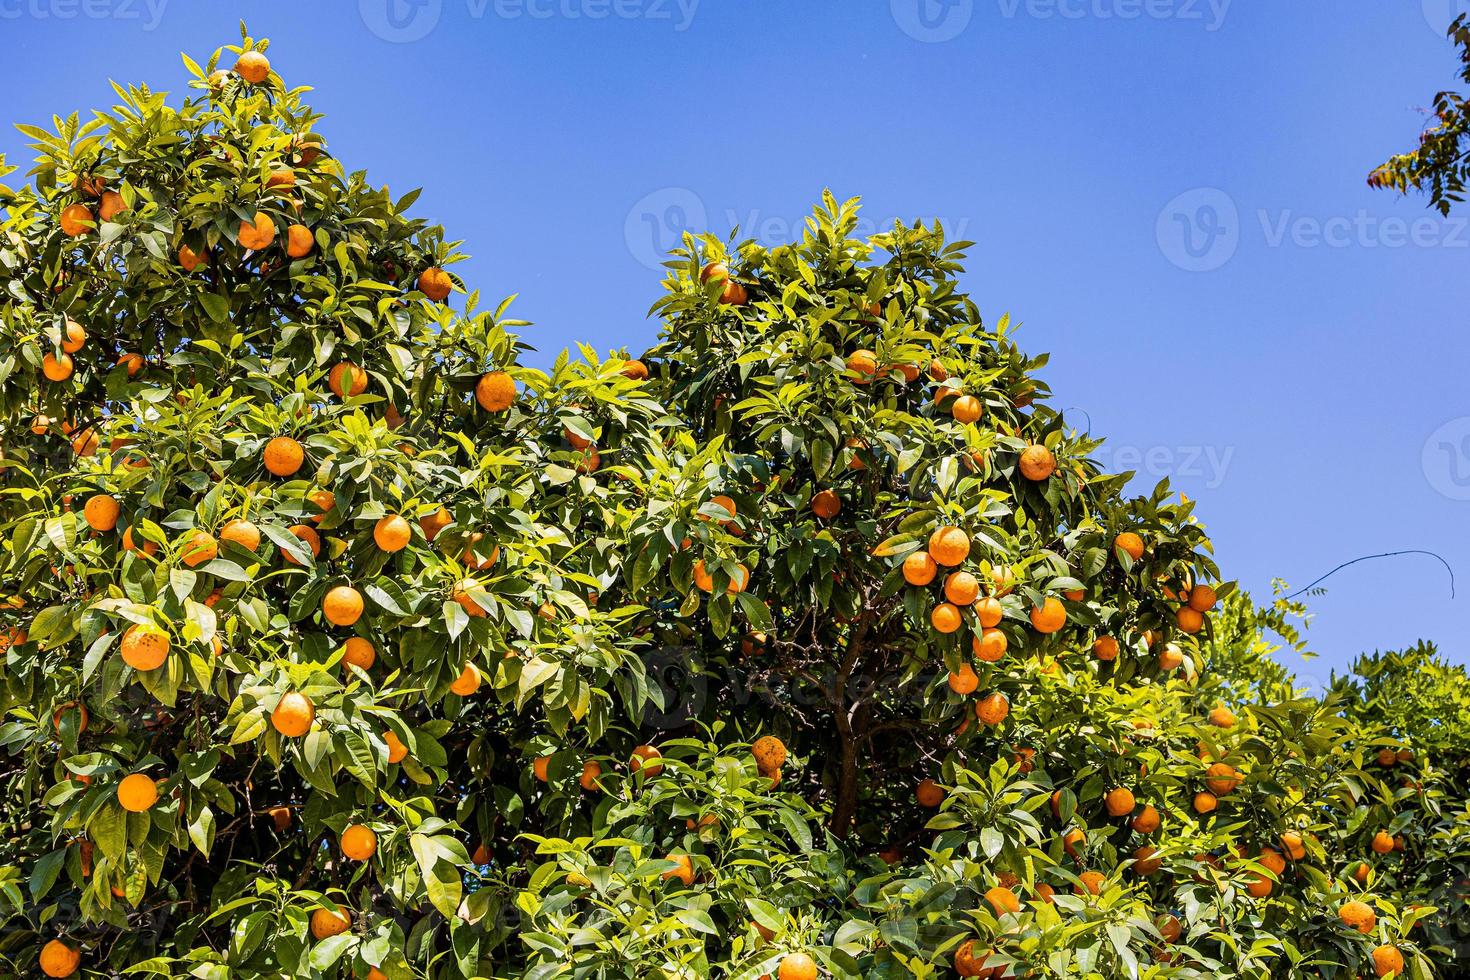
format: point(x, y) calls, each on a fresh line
point(339, 643)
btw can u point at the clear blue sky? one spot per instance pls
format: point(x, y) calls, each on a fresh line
point(1169, 193)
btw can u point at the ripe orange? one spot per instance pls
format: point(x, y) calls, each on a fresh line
point(990, 646)
point(1356, 915)
point(1221, 778)
point(1222, 717)
point(359, 653)
point(495, 391)
point(1106, 648)
point(463, 594)
point(683, 870)
point(468, 681)
point(73, 338)
point(1050, 616)
point(1072, 841)
point(1202, 598)
point(76, 220)
point(863, 364)
point(199, 547)
point(257, 235)
point(342, 606)
point(946, 617)
point(1092, 881)
point(961, 588)
point(293, 715)
point(241, 532)
point(993, 708)
point(796, 966)
point(1130, 544)
point(299, 241)
point(969, 962)
point(1205, 803)
point(1146, 862)
point(769, 752)
point(635, 370)
point(1037, 463)
point(1386, 960)
point(190, 259)
point(734, 294)
point(283, 456)
point(1189, 621)
point(309, 537)
point(59, 960)
point(132, 362)
point(149, 547)
point(1169, 927)
point(436, 284)
point(397, 751)
point(1003, 900)
point(591, 772)
point(1382, 842)
point(1171, 657)
point(714, 270)
point(325, 923)
point(1147, 820)
point(647, 760)
point(1119, 801)
point(324, 501)
point(111, 206)
point(101, 512)
point(392, 533)
point(57, 368)
point(144, 647)
point(964, 681)
point(358, 842)
point(949, 546)
point(919, 568)
point(966, 409)
point(541, 768)
point(929, 794)
point(137, 793)
point(989, 612)
point(347, 379)
point(253, 66)
point(1292, 844)
point(826, 504)
point(705, 580)
point(725, 503)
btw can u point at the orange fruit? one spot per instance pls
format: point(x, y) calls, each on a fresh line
point(57, 368)
point(969, 962)
point(796, 966)
point(1222, 717)
point(137, 793)
point(359, 653)
point(253, 66)
point(966, 409)
point(1292, 844)
point(283, 456)
point(946, 617)
point(299, 241)
point(392, 533)
point(961, 588)
point(1356, 915)
point(241, 532)
point(826, 504)
point(325, 923)
point(714, 270)
point(1130, 544)
point(1050, 616)
point(111, 206)
point(993, 708)
point(73, 338)
point(965, 681)
point(257, 235)
point(342, 606)
point(309, 537)
point(635, 370)
point(190, 259)
point(919, 568)
point(1146, 861)
point(1106, 648)
point(76, 220)
point(495, 391)
point(1386, 960)
point(144, 647)
point(949, 546)
point(149, 547)
point(347, 379)
point(1169, 927)
point(541, 768)
point(684, 870)
point(1092, 881)
point(1119, 801)
point(59, 960)
point(462, 594)
point(101, 512)
point(358, 842)
point(1189, 621)
point(989, 612)
point(1221, 778)
point(591, 772)
point(1147, 820)
point(863, 364)
point(1003, 900)
point(734, 294)
point(769, 752)
point(1037, 463)
point(1382, 842)
point(132, 362)
point(990, 646)
point(1205, 803)
point(468, 681)
point(929, 794)
point(397, 751)
point(324, 501)
point(1171, 657)
point(199, 547)
point(1202, 598)
point(705, 580)
point(293, 715)
point(647, 760)
point(1073, 839)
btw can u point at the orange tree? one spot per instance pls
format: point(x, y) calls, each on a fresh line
point(338, 643)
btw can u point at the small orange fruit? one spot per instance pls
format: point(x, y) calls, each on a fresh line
point(946, 617)
point(144, 647)
point(293, 715)
point(683, 870)
point(495, 391)
point(342, 606)
point(929, 794)
point(1050, 616)
point(77, 220)
point(253, 66)
point(919, 568)
point(359, 653)
point(1092, 881)
point(1130, 544)
point(1356, 915)
point(1382, 842)
point(101, 512)
point(397, 751)
point(1147, 820)
point(826, 504)
point(769, 752)
point(1222, 717)
point(283, 456)
point(1293, 845)
point(111, 206)
point(392, 533)
point(796, 966)
point(259, 234)
point(199, 548)
point(591, 773)
point(1171, 657)
point(358, 842)
point(347, 380)
point(137, 793)
point(1037, 463)
point(1189, 621)
point(73, 338)
point(241, 532)
point(1205, 803)
point(1003, 901)
point(989, 611)
point(990, 646)
point(1119, 801)
point(961, 588)
point(993, 708)
point(59, 960)
point(1105, 648)
point(468, 681)
point(949, 546)
point(325, 923)
point(647, 760)
point(1386, 960)
point(308, 537)
point(1221, 778)
point(57, 368)
point(635, 370)
point(436, 284)
point(964, 681)
point(966, 409)
point(863, 364)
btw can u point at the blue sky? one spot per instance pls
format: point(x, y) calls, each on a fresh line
point(1168, 193)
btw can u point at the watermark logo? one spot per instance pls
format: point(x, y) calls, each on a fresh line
point(401, 21)
point(657, 223)
point(932, 21)
point(1210, 13)
point(1199, 231)
point(1446, 459)
point(1204, 465)
point(148, 13)
point(1440, 14)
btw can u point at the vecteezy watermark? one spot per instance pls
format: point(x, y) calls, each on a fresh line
point(932, 21)
point(404, 21)
point(1206, 464)
point(1210, 13)
point(1200, 230)
point(656, 223)
point(149, 13)
point(1446, 459)
point(1440, 14)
